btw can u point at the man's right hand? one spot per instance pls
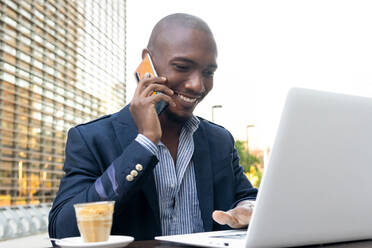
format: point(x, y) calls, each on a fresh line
point(142, 106)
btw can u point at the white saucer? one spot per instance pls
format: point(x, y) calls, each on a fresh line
point(77, 242)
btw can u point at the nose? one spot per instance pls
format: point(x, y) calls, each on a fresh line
point(196, 83)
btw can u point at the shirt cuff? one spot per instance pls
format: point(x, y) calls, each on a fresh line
point(147, 143)
point(250, 203)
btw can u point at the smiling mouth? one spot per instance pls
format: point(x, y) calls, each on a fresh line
point(187, 99)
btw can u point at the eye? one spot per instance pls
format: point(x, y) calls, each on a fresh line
point(181, 67)
point(208, 73)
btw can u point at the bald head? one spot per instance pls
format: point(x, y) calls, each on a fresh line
point(166, 26)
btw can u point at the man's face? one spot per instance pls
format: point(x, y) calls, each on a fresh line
point(187, 58)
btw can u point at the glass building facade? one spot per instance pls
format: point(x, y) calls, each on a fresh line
point(61, 63)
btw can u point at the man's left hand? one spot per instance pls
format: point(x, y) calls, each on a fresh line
point(237, 217)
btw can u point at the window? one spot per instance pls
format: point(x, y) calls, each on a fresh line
point(9, 49)
point(24, 57)
point(10, 21)
point(25, 13)
point(22, 83)
point(37, 37)
point(24, 29)
point(9, 67)
point(8, 77)
point(38, 13)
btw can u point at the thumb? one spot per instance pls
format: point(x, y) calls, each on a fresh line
point(224, 218)
point(217, 216)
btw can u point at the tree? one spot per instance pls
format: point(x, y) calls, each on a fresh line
point(249, 162)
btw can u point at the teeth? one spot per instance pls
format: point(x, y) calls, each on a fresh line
point(186, 99)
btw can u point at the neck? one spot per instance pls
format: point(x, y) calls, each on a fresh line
point(170, 127)
point(171, 131)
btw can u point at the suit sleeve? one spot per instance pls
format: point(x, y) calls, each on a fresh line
point(243, 187)
point(85, 180)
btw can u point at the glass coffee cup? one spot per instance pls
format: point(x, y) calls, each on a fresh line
point(94, 220)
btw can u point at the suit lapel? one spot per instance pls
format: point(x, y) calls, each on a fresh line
point(126, 132)
point(203, 176)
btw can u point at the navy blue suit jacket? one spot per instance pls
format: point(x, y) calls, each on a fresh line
point(92, 147)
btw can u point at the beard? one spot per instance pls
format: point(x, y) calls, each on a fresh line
point(176, 118)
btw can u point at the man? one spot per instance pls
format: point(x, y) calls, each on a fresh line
point(169, 174)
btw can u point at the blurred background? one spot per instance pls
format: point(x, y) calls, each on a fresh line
point(67, 62)
point(61, 63)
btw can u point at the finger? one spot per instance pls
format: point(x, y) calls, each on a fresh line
point(157, 88)
point(147, 81)
point(162, 97)
point(219, 217)
point(224, 218)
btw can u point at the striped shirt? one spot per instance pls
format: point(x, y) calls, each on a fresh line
point(175, 184)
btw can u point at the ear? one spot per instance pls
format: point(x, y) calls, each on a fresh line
point(144, 52)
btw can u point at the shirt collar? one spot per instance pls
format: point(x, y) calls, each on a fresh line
point(190, 126)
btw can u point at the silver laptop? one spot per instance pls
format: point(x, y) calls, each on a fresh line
point(317, 185)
